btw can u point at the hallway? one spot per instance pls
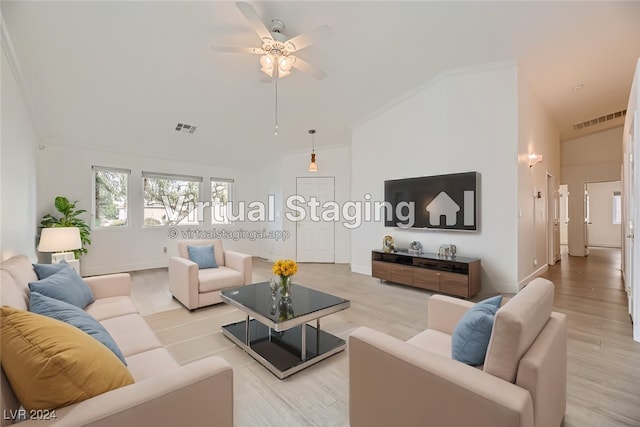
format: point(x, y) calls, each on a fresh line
point(603, 387)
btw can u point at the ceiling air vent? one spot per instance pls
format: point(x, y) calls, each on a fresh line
point(600, 119)
point(183, 127)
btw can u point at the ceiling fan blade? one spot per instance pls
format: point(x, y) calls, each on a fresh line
point(254, 19)
point(307, 39)
point(303, 65)
point(237, 49)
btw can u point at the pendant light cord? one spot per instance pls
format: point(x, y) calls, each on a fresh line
point(276, 110)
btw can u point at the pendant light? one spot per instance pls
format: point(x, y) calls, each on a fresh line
point(313, 167)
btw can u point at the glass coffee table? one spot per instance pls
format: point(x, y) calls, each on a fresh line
point(275, 331)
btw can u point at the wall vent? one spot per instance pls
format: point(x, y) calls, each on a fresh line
point(600, 119)
point(183, 127)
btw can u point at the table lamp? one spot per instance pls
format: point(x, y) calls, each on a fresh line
point(61, 241)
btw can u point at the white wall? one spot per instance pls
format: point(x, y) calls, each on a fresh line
point(593, 158)
point(18, 145)
point(602, 231)
point(67, 171)
point(536, 134)
point(464, 120)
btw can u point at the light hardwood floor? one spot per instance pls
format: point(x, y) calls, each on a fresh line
point(604, 361)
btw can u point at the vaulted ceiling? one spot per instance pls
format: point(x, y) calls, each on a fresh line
point(119, 75)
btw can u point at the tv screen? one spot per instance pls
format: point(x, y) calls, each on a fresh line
point(442, 202)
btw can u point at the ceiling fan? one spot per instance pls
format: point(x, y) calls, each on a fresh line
point(277, 51)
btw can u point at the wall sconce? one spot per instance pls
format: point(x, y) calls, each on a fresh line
point(534, 159)
point(313, 167)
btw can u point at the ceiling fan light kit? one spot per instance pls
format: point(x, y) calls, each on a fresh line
point(276, 51)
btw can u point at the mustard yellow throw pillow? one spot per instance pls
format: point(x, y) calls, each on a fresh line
point(51, 364)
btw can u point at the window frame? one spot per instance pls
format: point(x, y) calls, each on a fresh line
point(230, 193)
point(617, 207)
point(94, 211)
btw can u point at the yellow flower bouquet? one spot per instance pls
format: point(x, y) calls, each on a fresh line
point(284, 269)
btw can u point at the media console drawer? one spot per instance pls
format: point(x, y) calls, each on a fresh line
point(459, 276)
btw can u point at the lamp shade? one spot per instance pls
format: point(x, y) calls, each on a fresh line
point(59, 239)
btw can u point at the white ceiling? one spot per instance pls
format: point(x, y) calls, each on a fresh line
point(119, 76)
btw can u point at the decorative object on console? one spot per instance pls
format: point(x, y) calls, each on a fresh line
point(284, 269)
point(415, 247)
point(447, 250)
point(313, 167)
point(388, 244)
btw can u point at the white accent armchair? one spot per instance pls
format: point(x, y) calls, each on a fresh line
point(196, 288)
point(415, 383)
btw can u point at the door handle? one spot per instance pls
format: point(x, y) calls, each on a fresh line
point(629, 236)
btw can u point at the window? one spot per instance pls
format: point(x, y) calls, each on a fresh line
point(617, 207)
point(110, 205)
point(170, 199)
point(221, 192)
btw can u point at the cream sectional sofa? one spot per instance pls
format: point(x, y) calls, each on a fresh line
point(164, 393)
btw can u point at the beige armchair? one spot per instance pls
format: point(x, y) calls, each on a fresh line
point(196, 288)
point(416, 383)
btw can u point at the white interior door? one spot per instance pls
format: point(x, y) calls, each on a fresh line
point(315, 237)
point(564, 214)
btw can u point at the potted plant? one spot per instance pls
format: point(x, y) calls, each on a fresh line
point(69, 218)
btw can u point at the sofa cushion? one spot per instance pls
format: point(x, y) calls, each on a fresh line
point(74, 316)
point(106, 308)
point(45, 270)
point(151, 363)
point(132, 334)
point(21, 269)
point(516, 326)
point(472, 333)
point(219, 278)
point(65, 285)
point(434, 341)
point(11, 294)
point(51, 364)
point(203, 256)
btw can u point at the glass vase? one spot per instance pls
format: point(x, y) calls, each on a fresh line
point(285, 286)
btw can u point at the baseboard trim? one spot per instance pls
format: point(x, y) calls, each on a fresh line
point(540, 271)
point(361, 269)
point(97, 271)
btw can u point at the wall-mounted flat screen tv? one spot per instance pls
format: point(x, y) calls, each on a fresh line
point(442, 202)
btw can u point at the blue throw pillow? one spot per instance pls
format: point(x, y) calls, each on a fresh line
point(65, 285)
point(45, 270)
point(203, 256)
point(74, 316)
point(472, 333)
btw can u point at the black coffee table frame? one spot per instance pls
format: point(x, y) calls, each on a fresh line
point(274, 335)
